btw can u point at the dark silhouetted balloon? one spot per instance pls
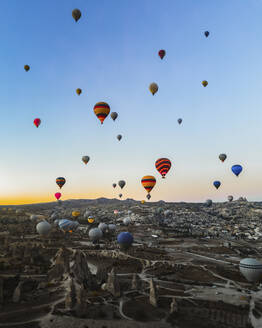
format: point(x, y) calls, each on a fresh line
point(161, 53)
point(114, 116)
point(76, 13)
point(206, 34)
point(125, 240)
point(217, 184)
point(27, 68)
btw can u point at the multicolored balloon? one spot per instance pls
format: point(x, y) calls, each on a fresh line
point(79, 91)
point(101, 110)
point(37, 122)
point(217, 184)
point(204, 83)
point(163, 165)
point(236, 169)
point(58, 195)
point(161, 53)
point(60, 181)
point(148, 182)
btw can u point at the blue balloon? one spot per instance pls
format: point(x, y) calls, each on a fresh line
point(217, 184)
point(236, 169)
point(125, 239)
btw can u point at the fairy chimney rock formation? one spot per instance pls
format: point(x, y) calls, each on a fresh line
point(153, 293)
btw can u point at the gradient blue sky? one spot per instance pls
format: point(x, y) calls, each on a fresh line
point(112, 54)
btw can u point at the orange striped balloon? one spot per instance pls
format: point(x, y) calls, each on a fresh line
point(148, 182)
point(163, 165)
point(101, 110)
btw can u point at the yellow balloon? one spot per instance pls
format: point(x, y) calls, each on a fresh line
point(91, 220)
point(142, 202)
point(79, 91)
point(204, 83)
point(153, 88)
point(75, 214)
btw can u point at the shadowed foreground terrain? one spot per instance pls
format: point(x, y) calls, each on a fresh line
point(181, 271)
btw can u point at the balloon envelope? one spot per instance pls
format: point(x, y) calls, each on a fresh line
point(58, 195)
point(27, 68)
point(179, 120)
point(217, 184)
point(114, 116)
point(121, 184)
point(208, 202)
point(161, 53)
point(76, 13)
point(222, 157)
point(251, 269)
point(206, 34)
point(119, 137)
point(101, 110)
point(37, 122)
point(60, 181)
point(148, 182)
point(230, 198)
point(95, 234)
point(114, 185)
point(204, 83)
point(237, 169)
point(85, 159)
point(125, 239)
point(163, 165)
point(43, 228)
point(79, 91)
point(153, 88)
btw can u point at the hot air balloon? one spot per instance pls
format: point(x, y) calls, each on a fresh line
point(217, 184)
point(60, 181)
point(142, 202)
point(43, 228)
point(121, 184)
point(37, 122)
point(114, 116)
point(101, 109)
point(112, 227)
point(161, 53)
point(90, 219)
point(76, 13)
point(79, 91)
point(27, 68)
point(163, 165)
point(148, 182)
point(119, 137)
point(95, 234)
point(236, 169)
point(114, 185)
point(222, 157)
point(206, 34)
point(230, 198)
point(179, 120)
point(58, 195)
point(148, 196)
point(204, 83)
point(209, 202)
point(126, 221)
point(102, 226)
point(153, 88)
point(85, 159)
point(75, 214)
point(125, 240)
point(251, 269)
point(120, 195)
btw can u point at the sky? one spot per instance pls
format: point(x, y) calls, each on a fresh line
point(111, 53)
